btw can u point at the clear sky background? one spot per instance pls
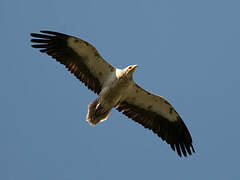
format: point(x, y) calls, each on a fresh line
point(187, 52)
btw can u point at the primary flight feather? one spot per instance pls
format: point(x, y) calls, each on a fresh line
point(115, 88)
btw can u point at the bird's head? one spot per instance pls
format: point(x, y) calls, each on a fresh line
point(128, 71)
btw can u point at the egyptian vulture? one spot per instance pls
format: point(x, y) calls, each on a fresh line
point(115, 88)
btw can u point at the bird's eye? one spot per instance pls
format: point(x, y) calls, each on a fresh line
point(130, 67)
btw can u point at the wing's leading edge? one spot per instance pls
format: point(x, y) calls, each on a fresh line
point(79, 57)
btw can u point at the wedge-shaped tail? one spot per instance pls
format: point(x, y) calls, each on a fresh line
point(96, 113)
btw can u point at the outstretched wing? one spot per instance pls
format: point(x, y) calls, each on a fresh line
point(79, 57)
point(156, 114)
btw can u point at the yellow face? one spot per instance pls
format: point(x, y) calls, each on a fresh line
point(131, 68)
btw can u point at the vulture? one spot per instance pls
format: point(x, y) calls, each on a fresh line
point(115, 89)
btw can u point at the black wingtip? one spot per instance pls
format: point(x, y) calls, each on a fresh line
point(193, 150)
point(44, 36)
point(34, 34)
point(52, 33)
point(183, 149)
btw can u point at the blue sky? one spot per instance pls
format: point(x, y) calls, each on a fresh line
point(187, 52)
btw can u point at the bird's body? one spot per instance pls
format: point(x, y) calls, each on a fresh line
point(113, 91)
point(115, 88)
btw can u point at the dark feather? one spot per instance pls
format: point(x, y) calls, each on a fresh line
point(175, 134)
point(55, 45)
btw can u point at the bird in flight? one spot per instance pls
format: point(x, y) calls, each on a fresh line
point(116, 89)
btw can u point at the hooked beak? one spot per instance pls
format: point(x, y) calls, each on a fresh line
point(133, 68)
